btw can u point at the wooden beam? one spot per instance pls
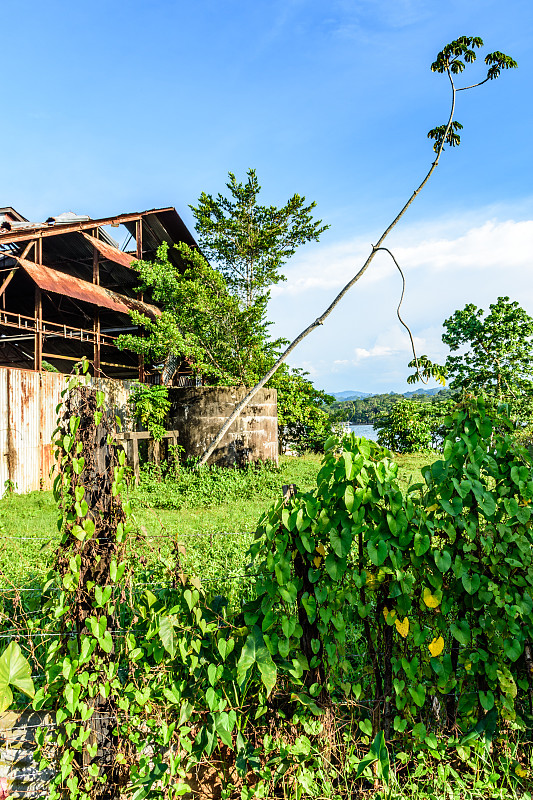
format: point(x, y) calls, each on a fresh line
point(7, 280)
point(38, 349)
point(73, 227)
point(38, 338)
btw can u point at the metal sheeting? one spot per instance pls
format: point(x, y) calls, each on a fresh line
point(51, 280)
point(28, 418)
point(111, 253)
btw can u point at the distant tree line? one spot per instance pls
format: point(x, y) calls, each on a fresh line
point(368, 410)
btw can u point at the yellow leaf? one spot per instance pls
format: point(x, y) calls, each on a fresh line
point(520, 771)
point(317, 560)
point(468, 666)
point(321, 549)
point(402, 627)
point(433, 507)
point(387, 613)
point(436, 647)
point(429, 599)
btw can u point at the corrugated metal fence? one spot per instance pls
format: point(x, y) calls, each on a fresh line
point(28, 418)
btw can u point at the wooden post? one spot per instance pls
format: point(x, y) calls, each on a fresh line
point(96, 321)
point(96, 324)
point(139, 242)
point(38, 348)
point(96, 261)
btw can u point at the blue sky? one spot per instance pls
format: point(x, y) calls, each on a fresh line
point(112, 107)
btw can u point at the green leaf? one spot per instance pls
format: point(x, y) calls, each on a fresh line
point(335, 567)
point(471, 583)
point(167, 634)
point(418, 693)
point(256, 652)
point(487, 504)
point(443, 560)
point(349, 497)
point(422, 543)
point(461, 631)
point(378, 553)
point(341, 542)
point(512, 649)
point(14, 671)
point(487, 700)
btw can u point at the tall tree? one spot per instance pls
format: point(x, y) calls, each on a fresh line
point(249, 243)
point(201, 322)
point(451, 61)
point(497, 356)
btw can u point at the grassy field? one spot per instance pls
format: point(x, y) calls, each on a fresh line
point(223, 503)
point(197, 514)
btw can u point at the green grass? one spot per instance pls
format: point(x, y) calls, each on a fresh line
point(195, 512)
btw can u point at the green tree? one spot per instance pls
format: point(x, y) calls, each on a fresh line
point(303, 419)
point(411, 425)
point(249, 243)
point(201, 322)
point(451, 61)
point(497, 357)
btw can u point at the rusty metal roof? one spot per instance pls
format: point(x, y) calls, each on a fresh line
point(111, 253)
point(50, 280)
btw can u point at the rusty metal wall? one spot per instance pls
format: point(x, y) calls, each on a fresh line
point(28, 417)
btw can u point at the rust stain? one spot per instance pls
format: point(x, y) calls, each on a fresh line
point(51, 280)
point(109, 252)
point(11, 454)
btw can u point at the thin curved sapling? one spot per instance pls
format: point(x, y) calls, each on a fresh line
point(452, 61)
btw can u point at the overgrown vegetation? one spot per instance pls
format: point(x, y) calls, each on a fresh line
point(379, 634)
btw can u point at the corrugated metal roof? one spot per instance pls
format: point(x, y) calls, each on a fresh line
point(60, 283)
point(111, 253)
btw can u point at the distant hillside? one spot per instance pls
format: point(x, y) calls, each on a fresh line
point(364, 408)
point(430, 392)
point(349, 395)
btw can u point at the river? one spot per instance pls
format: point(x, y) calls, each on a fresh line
point(364, 430)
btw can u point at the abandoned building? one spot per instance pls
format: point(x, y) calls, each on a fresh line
point(66, 287)
point(66, 290)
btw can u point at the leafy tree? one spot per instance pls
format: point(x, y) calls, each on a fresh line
point(497, 356)
point(410, 425)
point(150, 405)
point(451, 61)
point(201, 322)
point(249, 243)
point(303, 419)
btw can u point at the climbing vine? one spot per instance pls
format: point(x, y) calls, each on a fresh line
point(404, 617)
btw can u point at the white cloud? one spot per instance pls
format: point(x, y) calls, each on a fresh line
point(491, 246)
point(447, 263)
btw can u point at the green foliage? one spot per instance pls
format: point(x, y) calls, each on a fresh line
point(441, 580)
point(15, 671)
point(201, 321)
point(212, 485)
point(249, 243)
point(426, 369)
point(410, 426)
point(452, 60)
point(303, 420)
point(401, 617)
point(497, 345)
point(150, 406)
point(366, 410)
